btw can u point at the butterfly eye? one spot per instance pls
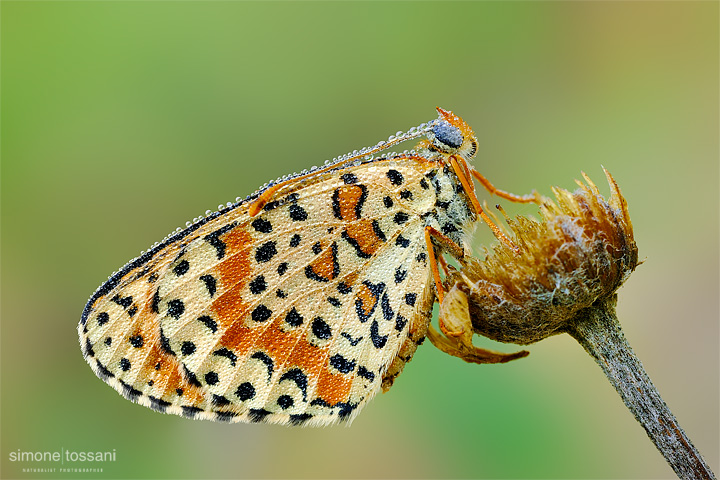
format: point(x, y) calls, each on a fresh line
point(448, 135)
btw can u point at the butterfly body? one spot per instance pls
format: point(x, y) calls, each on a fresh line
point(294, 306)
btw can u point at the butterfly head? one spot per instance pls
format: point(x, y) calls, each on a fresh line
point(451, 135)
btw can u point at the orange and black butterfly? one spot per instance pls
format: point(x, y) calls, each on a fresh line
point(301, 302)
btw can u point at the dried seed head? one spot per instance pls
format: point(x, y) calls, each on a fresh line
point(580, 253)
point(564, 279)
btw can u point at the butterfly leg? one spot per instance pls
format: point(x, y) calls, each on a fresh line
point(463, 174)
point(457, 341)
point(529, 198)
point(432, 236)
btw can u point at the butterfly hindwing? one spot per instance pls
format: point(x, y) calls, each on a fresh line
point(296, 315)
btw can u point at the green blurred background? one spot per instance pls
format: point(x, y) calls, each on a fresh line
point(123, 120)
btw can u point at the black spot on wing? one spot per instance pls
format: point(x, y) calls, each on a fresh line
point(296, 375)
point(300, 418)
point(410, 298)
point(245, 391)
point(208, 322)
point(257, 285)
point(336, 204)
point(258, 414)
point(401, 241)
point(175, 308)
point(271, 205)
point(349, 178)
point(103, 372)
point(158, 404)
point(365, 373)
point(342, 364)
point(214, 239)
point(124, 302)
point(387, 310)
point(263, 357)
point(395, 177)
point(354, 243)
point(317, 248)
point(261, 225)
point(285, 401)
point(187, 348)
point(265, 252)
point(190, 412)
point(378, 340)
point(297, 213)
point(293, 318)
point(154, 306)
point(225, 416)
point(400, 322)
point(346, 409)
point(378, 231)
point(181, 268)
point(400, 218)
point(212, 378)
point(210, 283)
point(353, 341)
point(102, 318)
point(224, 352)
point(124, 364)
point(219, 401)
point(165, 344)
point(190, 377)
point(321, 329)
point(88, 348)
point(261, 313)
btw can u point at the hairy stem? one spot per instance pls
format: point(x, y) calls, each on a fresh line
point(598, 331)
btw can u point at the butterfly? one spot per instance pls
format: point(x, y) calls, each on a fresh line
point(301, 302)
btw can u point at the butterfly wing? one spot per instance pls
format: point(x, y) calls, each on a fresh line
point(297, 315)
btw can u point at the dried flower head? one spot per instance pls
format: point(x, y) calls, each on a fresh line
point(580, 252)
point(563, 277)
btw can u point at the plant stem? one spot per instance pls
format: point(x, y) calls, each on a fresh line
point(597, 329)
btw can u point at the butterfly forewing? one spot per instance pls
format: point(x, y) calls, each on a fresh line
point(296, 315)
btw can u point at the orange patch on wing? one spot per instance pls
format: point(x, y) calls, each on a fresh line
point(333, 388)
point(239, 337)
point(234, 267)
point(164, 369)
point(229, 308)
point(277, 343)
point(368, 300)
point(348, 202)
point(326, 266)
point(364, 235)
point(232, 275)
point(307, 356)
